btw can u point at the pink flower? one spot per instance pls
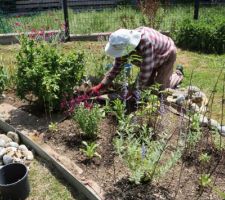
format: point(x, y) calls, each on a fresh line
point(41, 32)
point(63, 104)
point(18, 24)
point(88, 105)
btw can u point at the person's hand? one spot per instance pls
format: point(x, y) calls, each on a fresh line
point(97, 88)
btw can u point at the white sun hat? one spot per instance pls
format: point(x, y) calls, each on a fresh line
point(122, 42)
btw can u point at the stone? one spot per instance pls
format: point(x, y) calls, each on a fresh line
point(221, 129)
point(169, 91)
point(203, 120)
point(193, 89)
point(19, 154)
point(14, 136)
point(2, 152)
point(12, 144)
point(2, 143)
point(7, 159)
point(203, 109)
point(171, 99)
point(11, 151)
point(180, 100)
point(214, 123)
point(22, 147)
point(5, 138)
point(179, 93)
point(194, 107)
point(17, 160)
point(28, 154)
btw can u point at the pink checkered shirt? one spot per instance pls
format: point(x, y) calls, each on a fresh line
point(154, 49)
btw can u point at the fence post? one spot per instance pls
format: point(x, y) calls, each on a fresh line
point(196, 11)
point(66, 20)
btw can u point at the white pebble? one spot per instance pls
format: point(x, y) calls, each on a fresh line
point(22, 147)
point(12, 144)
point(14, 136)
point(5, 138)
point(7, 159)
point(2, 143)
point(2, 152)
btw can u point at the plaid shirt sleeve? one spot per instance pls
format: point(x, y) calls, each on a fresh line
point(114, 71)
point(147, 64)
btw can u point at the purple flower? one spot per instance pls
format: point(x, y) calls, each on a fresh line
point(162, 105)
point(143, 151)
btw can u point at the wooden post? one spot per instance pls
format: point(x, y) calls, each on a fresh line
point(196, 10)
point(66, 20)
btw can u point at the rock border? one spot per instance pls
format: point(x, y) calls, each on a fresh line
point(77, 184)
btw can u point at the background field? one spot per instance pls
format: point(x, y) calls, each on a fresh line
point(91, 21)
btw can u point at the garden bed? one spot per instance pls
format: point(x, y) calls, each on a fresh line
point(112, 175)
point(110, 172)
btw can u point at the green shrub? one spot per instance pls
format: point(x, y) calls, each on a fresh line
point(45, 73)
point(88, 119)
point(3, 78)
point(204, 35)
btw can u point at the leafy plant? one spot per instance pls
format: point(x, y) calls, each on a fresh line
point(142, 158)
point(119, 109)
point(203, 35)
point(140, 153)
point(45, 73)
point(195, 132)
point(205, 180)
point(90, 150)
point(88, 119)
point(53, 127)
point(3, 79)
point(204, 158)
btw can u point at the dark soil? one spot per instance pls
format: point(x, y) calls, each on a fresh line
point(111, 174)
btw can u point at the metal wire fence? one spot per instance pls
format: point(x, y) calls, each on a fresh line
point(86, 16)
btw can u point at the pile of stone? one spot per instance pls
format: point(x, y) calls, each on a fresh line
point(191, 97)
point(12, 152)
point(194, 100)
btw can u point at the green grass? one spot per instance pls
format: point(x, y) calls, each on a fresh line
point(46, 186)
point(168, 18)
point(206, 70)
point(205, 67)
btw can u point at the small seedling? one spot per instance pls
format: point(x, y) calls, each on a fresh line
point(205, 180)
point(88, 119)
point(204, 158)
point(90, 150)
point(119, 109)
point(53, 127)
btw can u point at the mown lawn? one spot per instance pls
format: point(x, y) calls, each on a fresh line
point(44, 185)
point(205, 67)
